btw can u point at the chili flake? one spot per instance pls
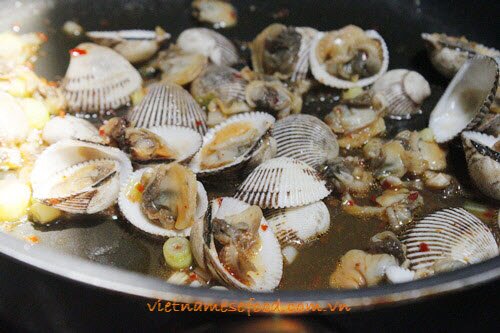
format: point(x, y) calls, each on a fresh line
point(76, 52)
point(264, 227)
point(423, 247)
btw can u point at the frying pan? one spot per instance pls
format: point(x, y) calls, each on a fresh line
point(65, 253)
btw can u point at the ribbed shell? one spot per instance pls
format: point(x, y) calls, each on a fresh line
point(453, 234)
point(281, 183)
point(168, 104)
point(70, 127)
point(302, 65)
point(268, 260)
point(306, 138)
point(402, 92)
point(447, 56)
point(224, 82)
point(262, 122)
point(478, 75)
point(65, 154)
point(483, 162)
point(210, 43)
point(132, 210)
point(319, 72)
point(300, 225)
point(185, 141)
point(99, 80)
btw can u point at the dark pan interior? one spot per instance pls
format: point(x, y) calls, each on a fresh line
point(400, 22)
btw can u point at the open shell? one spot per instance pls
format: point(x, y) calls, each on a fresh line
point(300, 225)
point(70, 127)
point(306, 138)
point(282, 182)
point(321, 74)
point(448, 53)
point(135, 45)
point(132, 210)
point(267, 260)
point(449, 235)
point(66, 157)
point(298, 63)
point(467, 100)
point(99, 79)
point(259, 121)
point(211, 44)
point(483, 162)
point(168, 104)
point(400, 93)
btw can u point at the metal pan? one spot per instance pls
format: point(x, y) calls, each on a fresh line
point(117, 255)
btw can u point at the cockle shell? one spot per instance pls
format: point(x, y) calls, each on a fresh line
point(299, 225)
point(261, 121)
point(210, 43)
point(135, 45)
point(451, 234)
point(63, 159)
point(133, 213)
point(267, 260)
point(320, 73)
point(483, 162)
point(306, 138)
point(400, 93)
point(168, 104)
point(448, 53)
point(282, 182)
point(183, 140)
point(70, 127)
point(99, 79)
point(467, 100)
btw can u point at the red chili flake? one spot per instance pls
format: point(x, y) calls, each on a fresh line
point(76, 52)
point(198, 123)
point(193, 276)
point(53, 202)
point(264, 227)
point(62, 114)
point(32, 239)
point(219, 201)
point(386, 185)
point(139, 187)
point(373, 198)
point(413, 196)
point(490, 213)
point(349, 203)
point(52, 84)
point(102, 132)
point(43, 37)
point(423, 247)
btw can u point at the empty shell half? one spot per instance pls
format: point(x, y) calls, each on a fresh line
point(70, 127)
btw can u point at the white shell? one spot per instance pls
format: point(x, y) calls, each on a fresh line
point(268, 260)
point(281, 183)
point(401, 92)
point(14, 125)
point(168, 104)
point(260, 120)
point(122, 35)
point(453, 234)
point(132, 210)
point(70, 127)
point(211, 44)
point(319, 72)
point(306, 138)
point(483, 162)
point(302, 65)
point(447, 56)
point(99, 80)
point(300, 225)
point(61, 156)
point(183, 140)
point(467, 99)
point(224, 82)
